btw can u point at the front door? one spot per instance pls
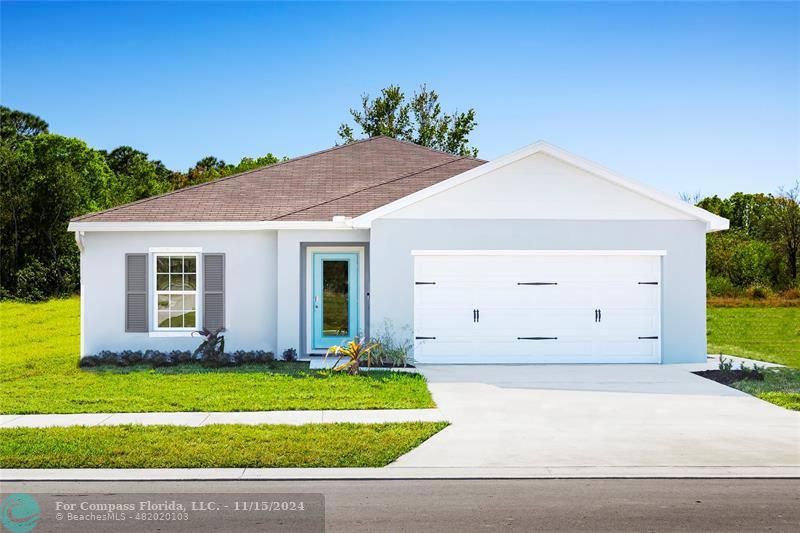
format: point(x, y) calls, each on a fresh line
point(335, 298)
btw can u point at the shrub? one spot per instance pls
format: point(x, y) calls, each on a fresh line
point(791, 294)
point(756, 373)
point(393, 349)
point(290, 354)
point(157, 358)
point(759, 292)
point(721, 286)
point(725, 364)
point(350, 354)
point(212, 349)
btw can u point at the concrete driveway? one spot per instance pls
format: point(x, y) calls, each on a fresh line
point(506, 416)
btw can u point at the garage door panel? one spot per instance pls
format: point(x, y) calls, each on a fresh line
point(535, 308)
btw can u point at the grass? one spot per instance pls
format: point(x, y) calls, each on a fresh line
point(219, 446)
point(39, 346)
point(763, 333)
point(780, 386)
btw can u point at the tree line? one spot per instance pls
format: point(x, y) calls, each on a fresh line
point(760, 252)
point(46, 179)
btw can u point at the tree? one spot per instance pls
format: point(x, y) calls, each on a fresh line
point(18, 125)
point(46, 180)
point(419, 120)
point(136, 176)
point(786, 217)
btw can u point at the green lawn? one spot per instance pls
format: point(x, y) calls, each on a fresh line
point(220, 446)
point(39, 373)
point(765, 334)
point(781, 386)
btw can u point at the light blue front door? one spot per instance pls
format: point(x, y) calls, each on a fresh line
point(335, 298)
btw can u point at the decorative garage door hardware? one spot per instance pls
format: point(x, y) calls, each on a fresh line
point(648, 283)
point(424, 338)
point(598, 315)
point(537, 283)
point(537, 338)
point(642, 338)
point(476, 315)
point(425, 283)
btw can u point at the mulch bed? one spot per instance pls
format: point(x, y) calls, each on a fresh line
point(727, 378)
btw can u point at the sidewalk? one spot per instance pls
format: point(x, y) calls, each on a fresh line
point(397, 472)
point(366, 416)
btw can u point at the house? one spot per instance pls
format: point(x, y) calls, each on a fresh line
point(537, 257)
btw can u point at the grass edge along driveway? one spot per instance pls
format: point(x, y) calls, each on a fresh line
point(39, 347)
point(212, 446)
point(769, 334)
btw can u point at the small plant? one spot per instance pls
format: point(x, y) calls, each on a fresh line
point(394, 349)
point(756, 373)
point(289, 355)
point(211, 352)
point(725, 364)
point(350, 355)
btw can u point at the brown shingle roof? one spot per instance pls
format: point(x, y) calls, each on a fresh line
point(346, 180)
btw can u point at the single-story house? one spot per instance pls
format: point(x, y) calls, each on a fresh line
point(539, 256)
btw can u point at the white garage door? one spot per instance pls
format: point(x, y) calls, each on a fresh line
point(537, 307)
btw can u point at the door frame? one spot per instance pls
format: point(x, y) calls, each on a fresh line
point(307, 251)
point(570, 252)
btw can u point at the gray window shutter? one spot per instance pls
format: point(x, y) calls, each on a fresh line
point(136, 292)
point(214, 291)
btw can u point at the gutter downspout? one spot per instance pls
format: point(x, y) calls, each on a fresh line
point(80, 241)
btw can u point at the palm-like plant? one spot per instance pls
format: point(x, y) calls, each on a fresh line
point(350, 354)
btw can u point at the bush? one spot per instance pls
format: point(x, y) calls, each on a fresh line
point(791, 294)
point(290, 354)
point(721, 286)
point(156, 358)
point(391, 348)
point(759, 292)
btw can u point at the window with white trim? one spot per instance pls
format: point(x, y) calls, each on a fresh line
point(176, 291)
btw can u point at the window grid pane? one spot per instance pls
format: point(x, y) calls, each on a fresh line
point(176, 286)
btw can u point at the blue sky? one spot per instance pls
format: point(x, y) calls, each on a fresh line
point(687, 97)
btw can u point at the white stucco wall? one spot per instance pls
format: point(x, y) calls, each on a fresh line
point(541, 187)
point(683, 276)
point(250, 299)
point(260, 311)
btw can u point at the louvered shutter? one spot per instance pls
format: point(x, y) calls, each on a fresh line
point(136, 292)
point(214, 291)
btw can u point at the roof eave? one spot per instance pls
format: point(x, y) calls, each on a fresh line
point(108, 226)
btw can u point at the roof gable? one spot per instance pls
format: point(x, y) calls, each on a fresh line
point(541, 181)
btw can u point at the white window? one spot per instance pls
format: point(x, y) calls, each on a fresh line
point(176, 291)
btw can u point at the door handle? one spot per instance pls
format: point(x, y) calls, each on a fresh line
point(599, 315)
point(474, 315)
point(478, 314)
point(595, 314)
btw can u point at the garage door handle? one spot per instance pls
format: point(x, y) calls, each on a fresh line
point(478, 315)
point(474, 315)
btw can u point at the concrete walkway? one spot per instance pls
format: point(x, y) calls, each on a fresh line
point(366, 416)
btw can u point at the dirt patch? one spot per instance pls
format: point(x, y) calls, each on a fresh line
point(728, 378)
